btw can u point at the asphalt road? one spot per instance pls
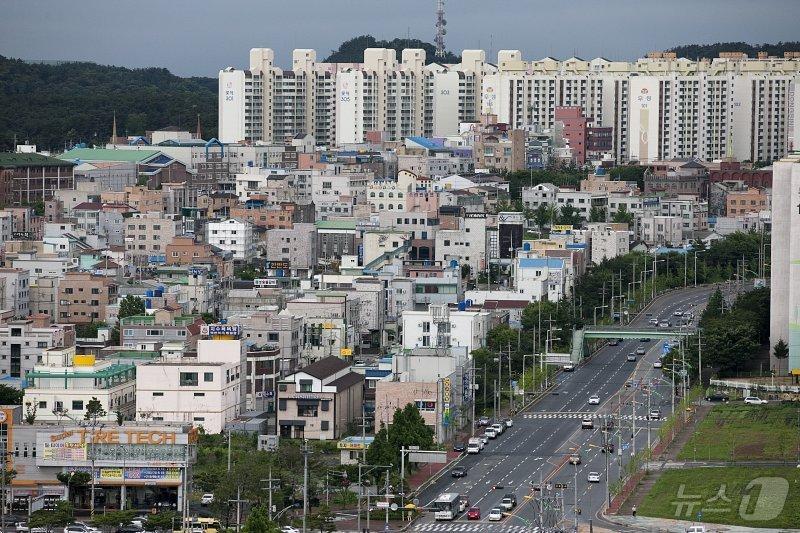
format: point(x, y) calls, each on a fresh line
point(536, 448)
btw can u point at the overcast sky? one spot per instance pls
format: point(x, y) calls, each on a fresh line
point(198, 37)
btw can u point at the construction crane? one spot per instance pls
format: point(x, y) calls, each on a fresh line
point(440, 28)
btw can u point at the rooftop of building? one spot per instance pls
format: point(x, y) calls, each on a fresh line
point(15, 160)
point(325, 367)
point(337, 224)
point(107, 154)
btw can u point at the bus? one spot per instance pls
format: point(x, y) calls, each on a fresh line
point(199, 525)
point(448, 505)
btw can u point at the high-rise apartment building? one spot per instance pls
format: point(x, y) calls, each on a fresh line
point(659, 107)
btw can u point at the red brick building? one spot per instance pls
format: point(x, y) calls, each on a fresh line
point(732, 170)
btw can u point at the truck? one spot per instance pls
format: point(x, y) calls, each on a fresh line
point(474, 445)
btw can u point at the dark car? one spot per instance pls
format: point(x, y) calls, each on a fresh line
point(458, 471)
point(613, 342)
point(644, 339)
point(459, 447)
point(484, 421)
point(717, 397)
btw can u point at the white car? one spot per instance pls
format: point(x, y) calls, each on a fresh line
point(593, 477)
point(653, 321)
point(663, 324)
point(569, 367)
point(207, 499)
point(754, 400)
point(509, 423)
point(696, 529)
point(655, 414)
point(495, 515)
point(289, 529)
point(594, 399)
point(658, 364)
point(499, 428)
point(678, 313)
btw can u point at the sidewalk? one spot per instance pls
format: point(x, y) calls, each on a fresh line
point(679, 526)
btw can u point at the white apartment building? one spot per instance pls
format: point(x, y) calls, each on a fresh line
point(541, 278)
point(15, 296)
point(148, 234)
point(467, 245)
point(6, 226)
point(658, 230)
point(256, 180)
point(693, 212)
point(43, 265)
point(206, 390)
point(234, 236)
point(608, 241)
point(64, 383)
point(441, 327)
point(582, 201)
point(541, 194)
point(660, 107)
point(385, 195)
point(785, 255)
point(23, 341)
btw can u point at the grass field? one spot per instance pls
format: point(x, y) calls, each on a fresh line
point(741, 432)
point(751, 497)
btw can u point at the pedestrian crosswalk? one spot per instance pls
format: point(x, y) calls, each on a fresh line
point(579, 416)
point(473, 527)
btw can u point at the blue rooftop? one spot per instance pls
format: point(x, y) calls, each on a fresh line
point(376, 373)
point(576, 246)
point(426, 143)
point(550, 262)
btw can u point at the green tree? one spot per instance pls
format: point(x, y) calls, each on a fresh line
point(209, 318)
point(597, 214)
point(322, 520)
point(541, 216)
point(569, 215)
point(623, 216)
point(94, 410)
point(131, 306)
point(163, 521)
point(730, 342)
point(10, 395)
point(257, 522)
point(59, 517)
point(713, 308)
point(780, 351)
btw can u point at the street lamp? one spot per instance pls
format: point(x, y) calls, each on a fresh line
point(595, 312)
point(525, 355)
point(695, 264)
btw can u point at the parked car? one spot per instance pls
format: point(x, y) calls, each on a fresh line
point(490, 432)
point(587, 423)
point(130, 528)
point(289, 529)
point(499, 428)
point(22, 527)
point(459, 447)
point(569, 367)
point(484, 438)
point(207, 499)
point(508, 502)
point(754, 400)
point(718, 397)
point(496, 514)
point(574, 458)
point(594, 399)
point(509, 422)
point(696, 529)
point(459, 471)
point(484, 421)
point(593, 477)
point(474, 513)
point(613, 342)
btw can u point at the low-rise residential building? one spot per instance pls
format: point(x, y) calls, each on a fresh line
point(22, 343)
point(203, 388)
point(748, 201)
point(234, 236)
point(440, 327)
point(65, 382)
point(661, 230)
point(83, 297)
point(320, 401)
point(185, 250)
point(328, 322)
point(296, 246)
point(148, 234)
point(15, 295)
point(42, 265)
point(608, 240)
point(30, 178)
point(152, 331)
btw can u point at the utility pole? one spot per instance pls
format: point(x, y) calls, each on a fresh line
point(238, 502)
point(270, 488)
point(633, 421)
point(575, 506)
point(229, 451)
point(306, 451)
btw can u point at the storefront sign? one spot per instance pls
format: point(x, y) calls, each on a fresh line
point(221, 329)
point(277, 264)
point(81, 437)
point(148, 473)
point(64, 451)
point(561, 228)
point(348, 445)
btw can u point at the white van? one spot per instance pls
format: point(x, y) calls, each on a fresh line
point(490, 432)
point(474, 446)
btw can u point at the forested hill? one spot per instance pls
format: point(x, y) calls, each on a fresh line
point(50, 104)
point(710, 51)
point(352, 51)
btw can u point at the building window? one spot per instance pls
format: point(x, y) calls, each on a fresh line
point(208, 377)
point(188, 379)
point(199, 419)
point(324, 425)
point(42, 405)
point(281, 405)
point(306, 385)
point(157, 394)
point(307, 411)
point(77, 405)
point(325, 405)
point(199, 394)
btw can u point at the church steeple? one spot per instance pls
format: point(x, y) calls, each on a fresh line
point(198, 133)
point(114, 130)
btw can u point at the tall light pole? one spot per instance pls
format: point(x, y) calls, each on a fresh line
point(695, 264)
